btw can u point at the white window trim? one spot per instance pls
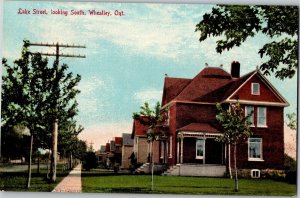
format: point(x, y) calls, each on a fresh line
point(168, 119)
point(265, 112)
point(170, 145)
point(200, 157)
point(162, 151)
point(252, 89)
point(246, 114)
point(261, 151)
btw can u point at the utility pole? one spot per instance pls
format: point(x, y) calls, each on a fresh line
point(57, 55)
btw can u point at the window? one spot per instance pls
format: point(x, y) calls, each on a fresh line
point(262, 116)
point(199, 148)
point(255, 149)
point(255, 89)
point(255, 173)
point(249, 110)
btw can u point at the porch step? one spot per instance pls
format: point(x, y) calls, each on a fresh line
point(145, 168)
point(208, 170)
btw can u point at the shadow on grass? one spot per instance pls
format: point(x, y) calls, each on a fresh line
point(17, 181)
point(136, 190)
point(102, 174)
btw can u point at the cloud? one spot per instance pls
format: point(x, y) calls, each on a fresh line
point(150, 95)
point(152, 29)
point(89, 102)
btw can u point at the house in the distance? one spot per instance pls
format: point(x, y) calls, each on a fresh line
point(193, 128)
point(142, 148)
point(127, 149)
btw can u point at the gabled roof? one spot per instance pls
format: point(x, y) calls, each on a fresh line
point(280, 100)
point(127, 141)
point(208, 80)
point(211, 85)
point(138, 128)
point(172, 87)
point(234, 85)
point(118, 141)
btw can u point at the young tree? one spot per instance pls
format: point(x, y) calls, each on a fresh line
point(151, 118)
point(236, 129)
point(35, 95)
point(235, 23)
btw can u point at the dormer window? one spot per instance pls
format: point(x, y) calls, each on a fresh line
point(255, 89)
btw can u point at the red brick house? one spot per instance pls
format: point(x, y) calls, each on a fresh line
point(142, 148)
point(192, 124)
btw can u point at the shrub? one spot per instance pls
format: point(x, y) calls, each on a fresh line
point(89, 161)
point(290, 167)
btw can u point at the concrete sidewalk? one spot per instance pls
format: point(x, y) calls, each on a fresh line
point(71, 183)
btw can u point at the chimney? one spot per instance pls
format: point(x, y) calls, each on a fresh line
point(235, 69)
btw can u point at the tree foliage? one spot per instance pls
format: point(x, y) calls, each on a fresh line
point(34, 94)
point(236, 129)
point(235, 125)
point(151, 118)
point(292, 121)
point(235, 23)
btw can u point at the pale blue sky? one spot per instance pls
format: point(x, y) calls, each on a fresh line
point(127, 57)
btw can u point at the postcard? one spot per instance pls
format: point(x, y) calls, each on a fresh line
point(149, 98)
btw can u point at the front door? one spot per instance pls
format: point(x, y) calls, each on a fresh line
point(213, 151)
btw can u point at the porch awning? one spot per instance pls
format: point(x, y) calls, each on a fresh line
point(199, 129)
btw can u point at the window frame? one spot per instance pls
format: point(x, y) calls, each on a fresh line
point(260, 151)
point(258, 89)
point(252, 116)
point(258, 117)
point(203, 148)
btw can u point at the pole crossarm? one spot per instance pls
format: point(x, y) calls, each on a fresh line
point(57, 44)
point(61, 55)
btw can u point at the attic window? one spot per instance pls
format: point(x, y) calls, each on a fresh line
point(255, 89)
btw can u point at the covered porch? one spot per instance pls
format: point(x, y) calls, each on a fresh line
point(196, 144)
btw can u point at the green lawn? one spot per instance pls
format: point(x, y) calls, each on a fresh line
point(17, 181)
point(108, 182)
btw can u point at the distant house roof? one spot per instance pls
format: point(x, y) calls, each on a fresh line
point(107, 147)
point(138, 128)
point(102, 149)
point(127, 141)
point(200, 127)
point(112, 145)
point(118, 141)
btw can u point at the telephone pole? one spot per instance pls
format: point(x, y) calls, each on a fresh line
point(57, 55)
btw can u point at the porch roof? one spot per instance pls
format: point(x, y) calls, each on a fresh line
point(199, 127)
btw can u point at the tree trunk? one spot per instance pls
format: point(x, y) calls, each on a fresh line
point(38, 168)
point(152, 170)
point(29, 164)
point(48, 165)
point(54, 152)
point(236, 181)
point(229, 161)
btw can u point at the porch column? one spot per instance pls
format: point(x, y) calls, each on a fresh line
point(181, 150)
point(177, 159)
point(204, 141)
